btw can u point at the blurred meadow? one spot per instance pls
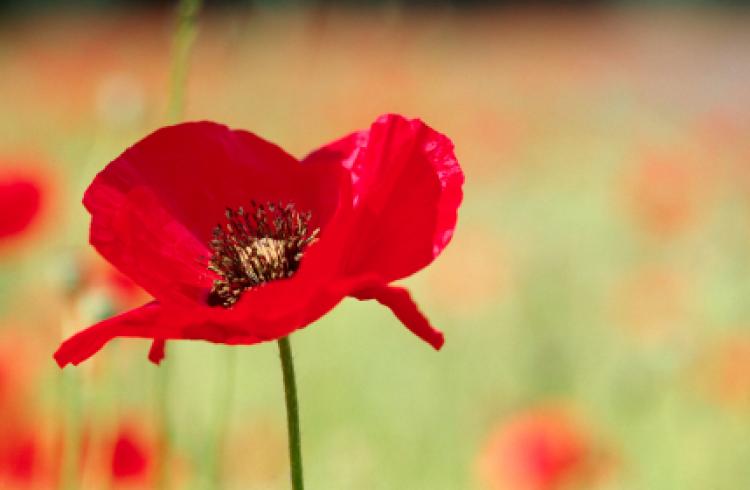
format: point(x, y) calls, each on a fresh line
point(595, 298)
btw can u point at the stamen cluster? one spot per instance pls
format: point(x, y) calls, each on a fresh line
point(256, 245)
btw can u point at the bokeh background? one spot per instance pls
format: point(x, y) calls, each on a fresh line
point(595, 298)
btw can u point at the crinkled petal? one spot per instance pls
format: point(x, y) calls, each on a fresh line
point(151, 321)
point(403, 306)
point(407, 189)
point(135, 233)
point(155, 206)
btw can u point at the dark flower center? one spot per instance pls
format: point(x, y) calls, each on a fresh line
point(256, 245)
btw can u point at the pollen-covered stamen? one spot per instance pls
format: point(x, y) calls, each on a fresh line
point(256, 245)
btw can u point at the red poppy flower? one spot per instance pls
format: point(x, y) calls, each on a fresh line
point(240, 243)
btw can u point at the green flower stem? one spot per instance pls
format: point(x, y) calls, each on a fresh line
point(223, 417)
point(292, 413)
point(163, 449)
point(70, 478)
point(184, 37)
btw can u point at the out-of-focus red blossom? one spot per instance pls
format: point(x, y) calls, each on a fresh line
point(21, 199)
point(131, 456)
point(384, 200)
point(542, 449)
point(666, 192)
point(127, 457)
point(21, 453)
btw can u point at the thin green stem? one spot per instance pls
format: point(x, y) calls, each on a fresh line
point(72, 450)
point(184, 37)
point(164, 445)
point(223, 417)
point(292, 413)
point(182, 44)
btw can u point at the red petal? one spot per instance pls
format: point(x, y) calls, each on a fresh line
point(157, 351)
point(407, 189)
point(153, 321)
point(265, 313)
point(154, 207)
point(134, 232)
point(402, 305)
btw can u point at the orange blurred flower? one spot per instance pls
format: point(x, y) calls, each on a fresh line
point(724, 371)
point(666, 192)
point(541, 449)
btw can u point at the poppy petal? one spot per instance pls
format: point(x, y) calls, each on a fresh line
point(154, 207)
point(157, 351)
point(407, 189)
point(152, 321)
point(85, 344)
point(403, 306)
point(141, 238)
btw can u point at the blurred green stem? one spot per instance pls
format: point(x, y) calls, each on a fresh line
point(292, 413)
point(71, 395)
point(223, 418)
point(184, 37)
point(164, 444)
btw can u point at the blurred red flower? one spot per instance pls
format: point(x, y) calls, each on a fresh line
point(543, 449)
point(21, 201)
point(20, 457)
point(131, 457)
point(293, 238)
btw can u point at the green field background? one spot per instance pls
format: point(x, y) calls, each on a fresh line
point(601, 261)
